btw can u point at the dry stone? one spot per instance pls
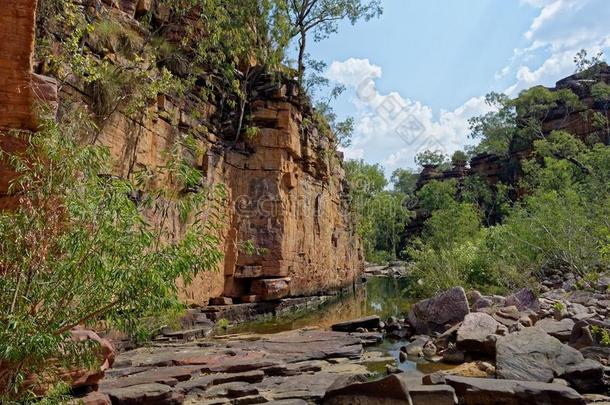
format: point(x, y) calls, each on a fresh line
point(483, 391)
point(439, 313)
point(475, 333)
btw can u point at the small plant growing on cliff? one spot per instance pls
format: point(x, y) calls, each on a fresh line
point(79, 249)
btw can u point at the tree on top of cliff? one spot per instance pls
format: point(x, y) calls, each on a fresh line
point(432, 158)
point(321, 18)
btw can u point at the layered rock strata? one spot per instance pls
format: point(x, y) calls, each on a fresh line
point(285, 185)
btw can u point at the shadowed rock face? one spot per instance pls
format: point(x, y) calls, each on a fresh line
point(439, 313)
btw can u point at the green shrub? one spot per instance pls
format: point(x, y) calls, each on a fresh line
point(79, 250)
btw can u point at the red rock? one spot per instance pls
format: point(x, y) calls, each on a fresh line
point(271, 289)
point(92, 398)
point(248, 272)
point(84, 378)
point(249, 299)
point(143, 7)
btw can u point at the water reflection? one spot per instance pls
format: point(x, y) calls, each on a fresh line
point(381, 296)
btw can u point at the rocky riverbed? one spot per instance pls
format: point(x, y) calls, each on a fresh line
point(455, 348)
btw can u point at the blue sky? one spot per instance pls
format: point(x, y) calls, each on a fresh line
point(432, 61)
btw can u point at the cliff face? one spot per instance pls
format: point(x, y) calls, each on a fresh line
point(284, 184)
point(577, 122)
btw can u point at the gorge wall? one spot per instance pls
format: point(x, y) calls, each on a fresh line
point(577, 122)
point(286, 188)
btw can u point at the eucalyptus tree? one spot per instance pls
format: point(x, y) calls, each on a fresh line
point(321, 18)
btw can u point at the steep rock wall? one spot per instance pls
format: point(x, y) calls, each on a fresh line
point(285, 185)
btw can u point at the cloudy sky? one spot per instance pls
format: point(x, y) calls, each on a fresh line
point(417, 74)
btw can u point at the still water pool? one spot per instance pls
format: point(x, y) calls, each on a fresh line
point(383, 296)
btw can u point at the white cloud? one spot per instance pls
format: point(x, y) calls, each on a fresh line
point(502, 72)
point(560, 30)
point(386, 124)
point(550, 10)
point(353, 71)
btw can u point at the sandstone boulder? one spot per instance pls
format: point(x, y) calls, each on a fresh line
point(523, 299)
point(439, 313)
point(483, 391)
point(476, 334)
point(271, 289)
point(561, 330)
point(533, 355)
point(87, 377)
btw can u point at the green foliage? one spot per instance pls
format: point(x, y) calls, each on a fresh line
point(437, 195)
point(404, 181)
point(451, 225)
point(601, 92)
point(321, 18)
point(561, 223)
point(519, 119)
point(67, 252)
point(325, 119)
point(432, 158)
point(223, 324)
point(454, 250)
point(588, 66)
point(381, 215)
point(110, 36)
point(497, 128)
point(459, 158)
point(601, 334)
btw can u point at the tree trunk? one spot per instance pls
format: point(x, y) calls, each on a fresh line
point(301, 61)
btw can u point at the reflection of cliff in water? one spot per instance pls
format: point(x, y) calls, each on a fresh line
point(381, 296)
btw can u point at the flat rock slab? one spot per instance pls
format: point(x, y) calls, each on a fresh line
point(302, 345)
point(533, 355)
point(483, 391)
point(165, 375)
point(290, 366)
point(561, 330)
point(145, 394)
point(391, 390)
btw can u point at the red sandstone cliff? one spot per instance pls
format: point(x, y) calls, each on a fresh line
point(285, 185)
